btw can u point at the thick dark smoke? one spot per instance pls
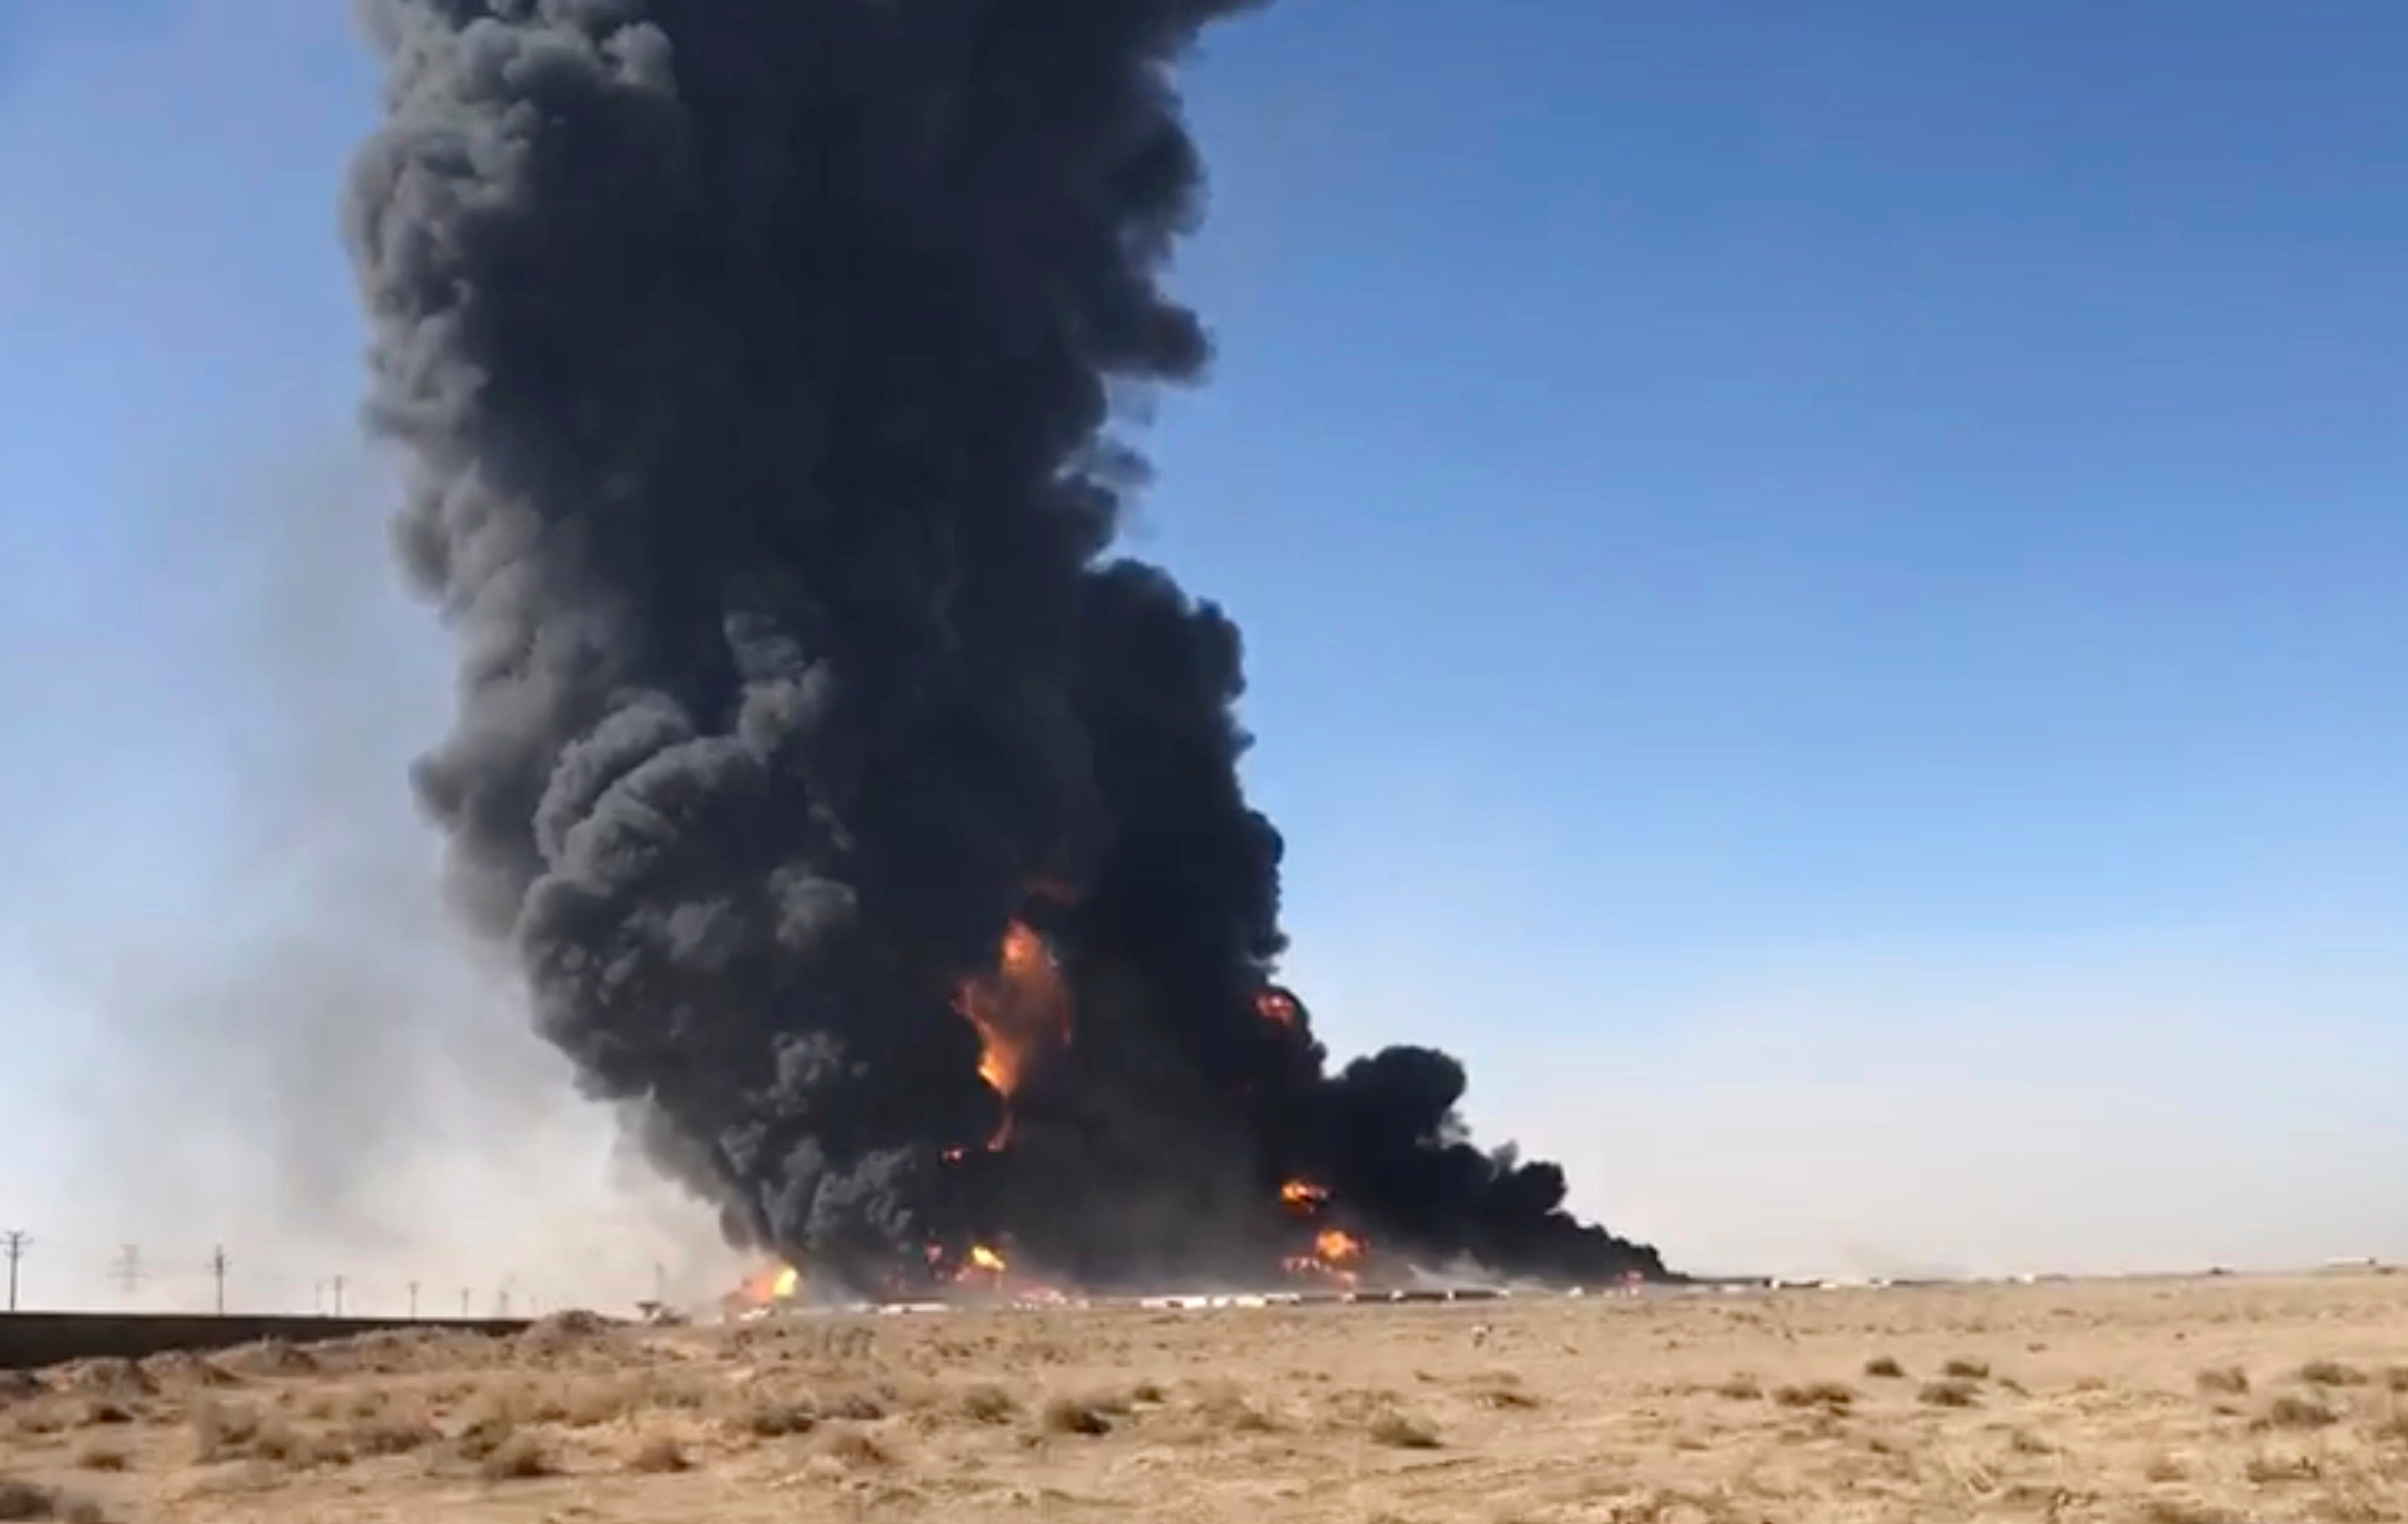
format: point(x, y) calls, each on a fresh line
point(754, 362)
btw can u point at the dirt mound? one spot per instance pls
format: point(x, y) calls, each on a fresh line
point(108, 1377)
point(269, 1357)
point(182, 1371)
point(563, 1331)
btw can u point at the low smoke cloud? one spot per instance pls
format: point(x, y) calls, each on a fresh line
point(856, 815)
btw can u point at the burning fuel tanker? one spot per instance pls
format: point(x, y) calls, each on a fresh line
point(869, 830)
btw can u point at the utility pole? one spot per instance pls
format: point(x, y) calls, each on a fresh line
point(128, 1273)
point(14, 1242)
point(338, 1295)
point(463, 1302)
point(218, 1265)
point(413, 1299)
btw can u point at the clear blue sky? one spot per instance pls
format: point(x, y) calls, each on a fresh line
point(1823, 593)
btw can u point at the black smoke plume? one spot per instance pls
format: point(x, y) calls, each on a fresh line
point(753, 364)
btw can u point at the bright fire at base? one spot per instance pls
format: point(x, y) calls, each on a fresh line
point(1021, 1009)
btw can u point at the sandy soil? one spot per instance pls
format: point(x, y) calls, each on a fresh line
point(2160, 1401)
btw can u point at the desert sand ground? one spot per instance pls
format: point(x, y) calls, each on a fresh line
point(2162, 1402)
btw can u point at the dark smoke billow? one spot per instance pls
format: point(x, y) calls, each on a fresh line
point(753, 362)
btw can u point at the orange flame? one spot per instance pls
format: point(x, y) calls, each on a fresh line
point(771, 1284)
point(1276, 1006)
point(1336, 1246)
point(1021, 1009)
point(982, 1258)
point(1335, 1256)
point(1303, 1193)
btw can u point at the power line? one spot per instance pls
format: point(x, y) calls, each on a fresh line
point(14, 1242)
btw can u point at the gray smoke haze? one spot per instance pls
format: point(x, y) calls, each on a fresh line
point(753, 367)
point(295, 1051)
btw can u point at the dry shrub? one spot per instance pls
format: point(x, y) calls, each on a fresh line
point(988, 1404)
point(1956, 1392)
point(853, 1407)
point(1507, 1398)
point(1226, 1408)
point(268, 1358)
point(20, 1387)
point(2166, 1468)
point(221, 1430)
point(1742, 1389)
point(280, 1442)
point(46, 1417)
point(1822, 1394)
point(2182, 1510)
point(1965, 1368)
point(1075, 1416)
point(854, 1449)
point(2291, 1411)
point(1400, 1432)
point(2229, 1380)
point(2274, 1470)
point(2392, 1430)
point(23, 1501)
point(660, 1453)
point(120, 1379)
point(102, 1455)
point(2331, 1373)
point(773, 1417)
point(563, 1329)
point(2395, 1378)
point(101, 1411)
point(1885, 1368)
point(1152, 1391)
point(486, 1432)
point(517, 1458)
point(391, 1434)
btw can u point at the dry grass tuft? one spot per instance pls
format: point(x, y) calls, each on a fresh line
point(853, 1407)
point(1885, 1368)
point(519, 1458)
point(1226, 1408)
point(1075, 1416)
point(2331, 1373)
point(1954, 1392)
point(2395, 1379)
point(989, 1404)
point(102, 1455)
point(1742, 1389)
point(491, 1427)
point(660, 1453)
point(2182, 1510)
point(391, 1434)
point(1506, 1398)
point(2276, 1469)
point(221, 1430)
point(1399, 1431)
point(2229, 1380)
point(23, 1501)
point(1822, 1394)
point(2291, 1411)
point(855, 1448)
point(1152, 1391)
point(1965, 1368)
point(774, 1418)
